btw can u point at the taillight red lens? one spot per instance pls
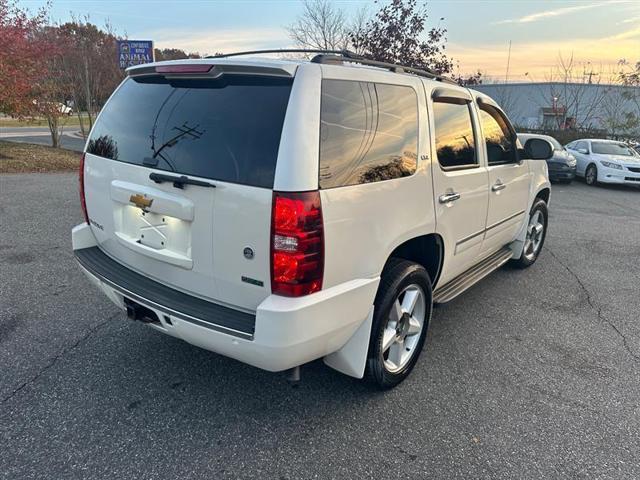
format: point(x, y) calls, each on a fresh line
point(297, 243)
point(83, 202)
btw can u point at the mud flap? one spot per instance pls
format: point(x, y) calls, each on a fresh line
point(518, 244)
point(351, 359)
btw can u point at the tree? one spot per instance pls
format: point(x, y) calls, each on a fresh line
point(469, 80)
point(398, 34)
point(31, 82)
point(572, 96)
point(629, 76)
point(357, 29)
point(173, 54)
point(616, 116)
point(321, 25)
point(89, 66)
point(51, 90)
point(21, 54)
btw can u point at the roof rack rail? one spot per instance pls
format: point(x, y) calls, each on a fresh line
point(342, 56)
point(344, 53)
point(394, 67)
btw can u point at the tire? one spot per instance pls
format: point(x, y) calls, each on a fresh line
point(393, 349)
point(534, 240)
point(591, 175)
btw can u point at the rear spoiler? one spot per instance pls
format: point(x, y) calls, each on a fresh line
point(212, 70)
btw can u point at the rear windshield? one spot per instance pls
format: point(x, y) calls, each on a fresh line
point(225, 129)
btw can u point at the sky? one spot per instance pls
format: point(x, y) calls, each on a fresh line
point(596, 34)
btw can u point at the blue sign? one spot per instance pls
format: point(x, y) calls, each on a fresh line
point(134, 52)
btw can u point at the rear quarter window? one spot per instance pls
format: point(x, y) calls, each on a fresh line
point(225, 129)
point(368, 132)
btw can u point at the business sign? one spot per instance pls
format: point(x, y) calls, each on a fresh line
point(134, 52)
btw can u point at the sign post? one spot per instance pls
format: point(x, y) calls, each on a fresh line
point(134, 52)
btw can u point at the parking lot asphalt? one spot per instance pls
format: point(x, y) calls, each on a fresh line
point(70, 138)
point(530, 374)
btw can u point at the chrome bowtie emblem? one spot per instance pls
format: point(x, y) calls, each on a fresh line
point(140, 201)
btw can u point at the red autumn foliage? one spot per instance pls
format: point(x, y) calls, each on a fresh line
point(22, 52)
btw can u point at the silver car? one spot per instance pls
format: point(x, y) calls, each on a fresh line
point(562, 166)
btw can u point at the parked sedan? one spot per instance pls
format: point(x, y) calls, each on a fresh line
point(606, 161)
point(562, 166)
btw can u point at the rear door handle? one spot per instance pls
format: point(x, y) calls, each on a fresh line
point(449, 197)
point(498, 186)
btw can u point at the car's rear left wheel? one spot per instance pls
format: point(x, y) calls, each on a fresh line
point(402, 312)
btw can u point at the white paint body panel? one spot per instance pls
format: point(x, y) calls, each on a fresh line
point(206, 229)
point(297, 166)
point(508, 207)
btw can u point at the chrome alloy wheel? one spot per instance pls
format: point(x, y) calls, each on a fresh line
point(535, 232)
point(591, 175)
point(404, 327)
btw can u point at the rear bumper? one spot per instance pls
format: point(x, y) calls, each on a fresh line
point(161, 298)
point(281, 334)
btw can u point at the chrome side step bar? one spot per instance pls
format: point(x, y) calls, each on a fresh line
point(465, 280)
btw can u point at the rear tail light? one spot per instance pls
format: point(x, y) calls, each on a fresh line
point(83, 202)
point(297, 243)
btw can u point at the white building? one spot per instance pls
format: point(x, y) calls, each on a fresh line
point(557, 105)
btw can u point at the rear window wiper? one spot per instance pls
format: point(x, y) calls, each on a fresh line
point(179, 182)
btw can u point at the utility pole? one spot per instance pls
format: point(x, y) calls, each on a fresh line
point(506, 76)
point(590, 74)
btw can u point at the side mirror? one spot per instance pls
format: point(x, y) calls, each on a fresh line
point(583, 151)
point(538, 149)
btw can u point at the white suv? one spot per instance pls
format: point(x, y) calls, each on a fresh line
point(278, 212)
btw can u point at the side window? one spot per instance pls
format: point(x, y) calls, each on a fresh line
point(581, 146)
point(455, 139)
point(498, 136)
point(368, 132)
